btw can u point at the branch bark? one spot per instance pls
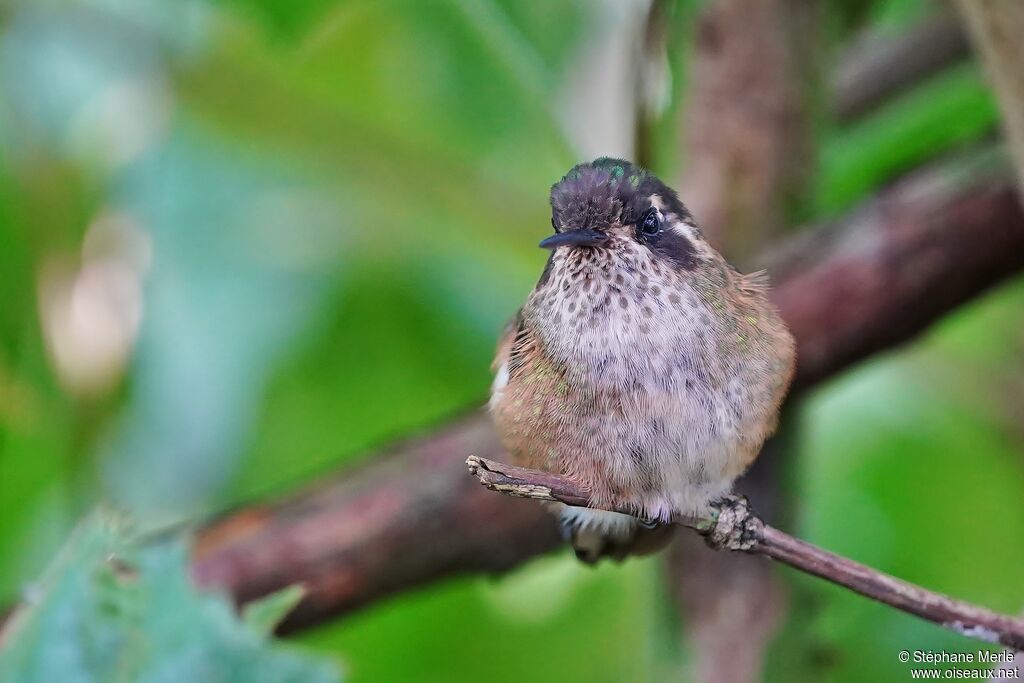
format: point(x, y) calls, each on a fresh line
point(733, 526)
point(412, 517)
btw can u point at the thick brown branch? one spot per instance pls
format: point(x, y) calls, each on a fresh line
point(895, 266)
point(733, 526)
point(412, 516)
point(409, 518)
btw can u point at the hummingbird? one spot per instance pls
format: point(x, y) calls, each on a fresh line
point(642, 365)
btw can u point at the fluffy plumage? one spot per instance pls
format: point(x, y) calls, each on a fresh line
point(646, 368)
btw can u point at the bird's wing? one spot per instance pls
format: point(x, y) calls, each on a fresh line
point(515, 346)
point(506, 340)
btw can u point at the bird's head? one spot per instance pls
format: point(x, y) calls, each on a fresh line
point(612, 205)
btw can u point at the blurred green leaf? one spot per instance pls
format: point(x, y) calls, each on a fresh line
point(554, 620)
point(262, 616)
point(949, 110)
point(110, 610)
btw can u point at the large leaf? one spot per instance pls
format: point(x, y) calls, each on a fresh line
point(111, 610)
point(945, 112)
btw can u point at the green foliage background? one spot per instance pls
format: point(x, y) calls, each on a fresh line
point(116, 610)
point(339, 202)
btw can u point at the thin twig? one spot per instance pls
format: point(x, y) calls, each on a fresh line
point(733, 526)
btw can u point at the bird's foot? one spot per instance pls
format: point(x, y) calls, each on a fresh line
point(648, 522)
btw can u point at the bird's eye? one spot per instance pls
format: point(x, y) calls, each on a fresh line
point(649, 224)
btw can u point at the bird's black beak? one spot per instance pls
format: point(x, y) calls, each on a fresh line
point(583, 237)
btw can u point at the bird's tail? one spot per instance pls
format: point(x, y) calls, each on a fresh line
point(597, 533)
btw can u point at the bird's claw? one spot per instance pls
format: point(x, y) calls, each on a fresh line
point(648, 523)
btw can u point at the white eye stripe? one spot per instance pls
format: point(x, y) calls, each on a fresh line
point(683, 228)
